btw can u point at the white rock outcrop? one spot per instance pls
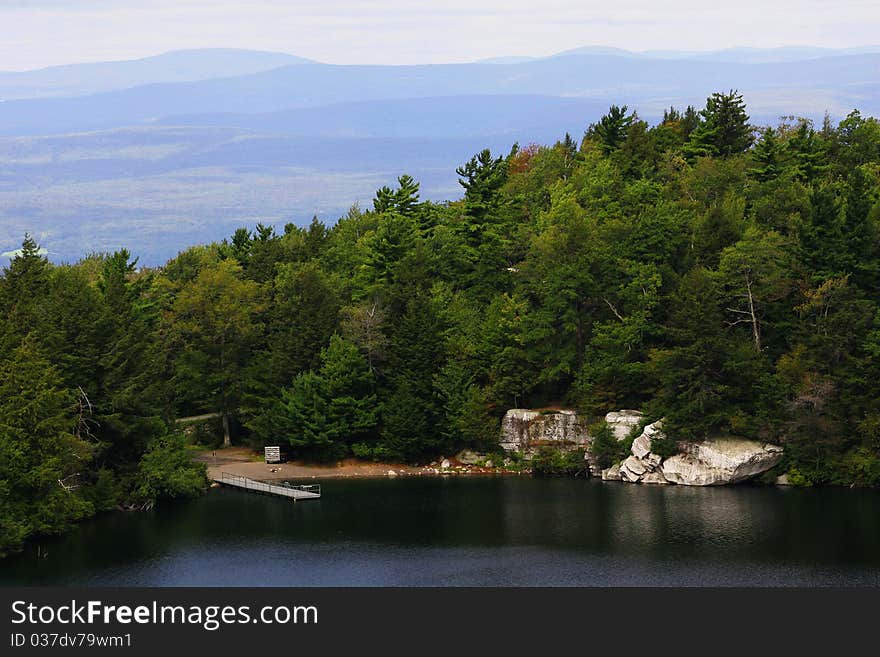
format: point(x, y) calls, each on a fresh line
point(654, 478)
point(523, 430)
point(720, 460)
point(712, 462)
point(623, 422)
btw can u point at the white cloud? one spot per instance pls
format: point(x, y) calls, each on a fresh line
point(37, 33)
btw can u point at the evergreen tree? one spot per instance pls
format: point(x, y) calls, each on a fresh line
point(768, 157)
point(809, 153)
point(483, 227)
point(24, 285)
point(612, 128)
point(410, 413)
point(403, 200)
point(325, 412)
point(132, 397)
point(724, 129)
point(43, 454)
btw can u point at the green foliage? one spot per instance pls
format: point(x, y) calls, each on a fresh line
point(322, 412)
point(724, 127)
point(214, 329)
point(468, 421)
point(798, 478)
point(167, 471)
point(612, 128)
point(106, 492)
point(42, 453)
point(554, 462)
point(664, 445)
point(403, 200)
point(768, 155)
point(606, 448)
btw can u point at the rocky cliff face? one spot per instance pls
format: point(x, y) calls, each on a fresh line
point(524, 430)
point(712, 462)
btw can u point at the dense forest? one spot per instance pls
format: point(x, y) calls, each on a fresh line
point(722, 276)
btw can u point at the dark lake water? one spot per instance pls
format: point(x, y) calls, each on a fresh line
point(507, 531)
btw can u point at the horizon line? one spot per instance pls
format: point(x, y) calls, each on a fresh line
point(658, 53)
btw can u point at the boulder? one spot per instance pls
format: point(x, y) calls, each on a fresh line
point(634, 465)
point(445, 464)
point(468, 457)
point(623, 422)
point(782, 480)
point(632, 469)
point(653, 429)
point(612, 473)
point(641, 446)
point(654, 478)
point(720, 460)
point(626, 475)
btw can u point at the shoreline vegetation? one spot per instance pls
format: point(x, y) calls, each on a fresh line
point(719, 275)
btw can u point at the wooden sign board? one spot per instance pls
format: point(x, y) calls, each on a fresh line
point(273, 455)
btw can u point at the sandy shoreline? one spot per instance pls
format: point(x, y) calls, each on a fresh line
point(242, 462)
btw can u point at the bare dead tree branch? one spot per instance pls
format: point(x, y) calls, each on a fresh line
point(613, 309)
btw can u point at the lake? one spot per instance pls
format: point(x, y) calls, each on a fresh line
point(508, 531)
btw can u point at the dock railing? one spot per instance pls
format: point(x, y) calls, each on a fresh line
point(308, 488)
point(265, 487)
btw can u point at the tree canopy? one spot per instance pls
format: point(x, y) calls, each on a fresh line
point(725, 283)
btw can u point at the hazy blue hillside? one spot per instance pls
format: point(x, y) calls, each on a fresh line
point(177, 66)
point(156, 189)
point(734, 55)
point(529, 118)
point(833, 83)
point(223, 138)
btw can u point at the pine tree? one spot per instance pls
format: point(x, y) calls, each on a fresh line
point(403, 200)
point(24, 285)
point(132, 397)
point(724, 129)
point(809, 153)
point(323, 413)
point(612, 128)
point(768, 157)
point(43, 457)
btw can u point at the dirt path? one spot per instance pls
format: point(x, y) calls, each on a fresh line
point(246, 463)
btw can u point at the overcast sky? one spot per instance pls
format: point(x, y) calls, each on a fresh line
point(36, 33)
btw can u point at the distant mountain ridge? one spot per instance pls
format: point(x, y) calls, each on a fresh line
point(520, 116)
point(835, 84)
point(175, 66)
point(741, 55)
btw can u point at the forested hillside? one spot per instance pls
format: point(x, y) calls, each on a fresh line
point(721, 276)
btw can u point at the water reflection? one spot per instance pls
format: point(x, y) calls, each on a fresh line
point(505, 530)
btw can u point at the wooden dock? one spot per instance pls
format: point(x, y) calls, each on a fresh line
point(294, 492)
